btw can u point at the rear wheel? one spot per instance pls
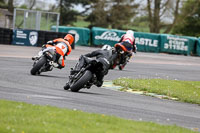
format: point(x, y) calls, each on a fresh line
point(81, 82)
point(38, 65)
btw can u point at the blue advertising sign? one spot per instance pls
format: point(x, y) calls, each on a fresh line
point(25, 37)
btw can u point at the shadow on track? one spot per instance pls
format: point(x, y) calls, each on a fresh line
point(87, 93)
point(50, 76)
point(125, 70)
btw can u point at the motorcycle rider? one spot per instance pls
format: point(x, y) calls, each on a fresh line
point(62, 47)
point(128, 41)
point(104, 56)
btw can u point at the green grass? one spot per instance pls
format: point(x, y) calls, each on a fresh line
point(187, 91)
point(20, 117)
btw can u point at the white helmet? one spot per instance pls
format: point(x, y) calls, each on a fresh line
point(106, 47)
point(130, 32)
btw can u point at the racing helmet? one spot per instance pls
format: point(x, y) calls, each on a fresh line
point(130, 32)
point(69, 38)
point(106, 47)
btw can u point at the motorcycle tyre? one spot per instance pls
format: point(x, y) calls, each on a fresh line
point(38, 66)
point(81, 82)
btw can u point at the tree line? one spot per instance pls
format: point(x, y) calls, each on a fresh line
point(179, 17)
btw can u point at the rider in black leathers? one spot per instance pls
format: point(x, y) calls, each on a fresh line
point(104, 56)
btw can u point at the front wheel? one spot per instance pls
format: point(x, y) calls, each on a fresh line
point(81, 82)
point(38, 65)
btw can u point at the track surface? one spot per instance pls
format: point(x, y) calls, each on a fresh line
point(17, 84)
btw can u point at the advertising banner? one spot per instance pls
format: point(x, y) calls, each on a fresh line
point(144, 41)
point(198, 47)
point(101, 36)
point(147, 42)
point(25, 37)
point(82, 35)
point(177, 44)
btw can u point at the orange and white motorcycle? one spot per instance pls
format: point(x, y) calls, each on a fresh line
point(45, 60)
point(122, 56)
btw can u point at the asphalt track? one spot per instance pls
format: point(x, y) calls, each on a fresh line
point(17, 84)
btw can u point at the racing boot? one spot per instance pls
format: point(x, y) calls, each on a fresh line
point(99, 83)
point(67, 86)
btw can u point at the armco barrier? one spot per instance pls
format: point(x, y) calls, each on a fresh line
point(177, 44)
point(82, 35)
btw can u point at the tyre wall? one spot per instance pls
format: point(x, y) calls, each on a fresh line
point(6, 36)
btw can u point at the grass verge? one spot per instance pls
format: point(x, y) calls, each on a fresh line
point(186, 91)
point(20, 117)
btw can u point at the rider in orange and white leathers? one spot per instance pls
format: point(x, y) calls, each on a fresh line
point(62, 47)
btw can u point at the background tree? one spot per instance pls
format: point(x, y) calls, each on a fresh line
point(10, 6)
point(99, 16)
point(189, 19)
point(7, 5)
point(157, 10)
point(67, 14)
point(121, 13)
point(112, 13)
point(3, 4)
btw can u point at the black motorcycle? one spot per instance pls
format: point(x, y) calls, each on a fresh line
point(86, 77)
point(43, 62)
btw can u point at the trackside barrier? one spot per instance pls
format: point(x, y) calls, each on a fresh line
point(177, 44)
point(145, 42)
point(25, 37)
point(5, 36)
point(35, 38)
point(198, 47)
point(101, 36)
point(45, 36)
point(82, 35)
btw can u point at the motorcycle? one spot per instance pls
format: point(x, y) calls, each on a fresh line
point(84, 78)
point(44, 61)
point(122, 56)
